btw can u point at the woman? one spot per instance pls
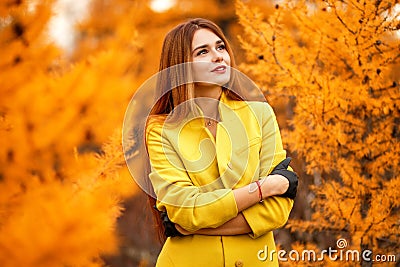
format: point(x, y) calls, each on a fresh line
point(218, 167)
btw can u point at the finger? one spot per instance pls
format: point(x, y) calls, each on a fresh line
point(286, 162)
point(283, 164)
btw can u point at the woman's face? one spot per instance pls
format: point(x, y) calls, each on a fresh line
point(211, 61)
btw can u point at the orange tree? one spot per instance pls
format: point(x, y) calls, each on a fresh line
point(60, 188)
point(338, 64)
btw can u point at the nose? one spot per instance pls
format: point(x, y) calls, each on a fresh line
point(217, 57)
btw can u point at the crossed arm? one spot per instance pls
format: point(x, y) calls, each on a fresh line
point(234, 211)
point(236, 226)
point(244, 198)
point(192, 216)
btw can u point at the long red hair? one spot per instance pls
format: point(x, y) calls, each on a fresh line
point(176, 50)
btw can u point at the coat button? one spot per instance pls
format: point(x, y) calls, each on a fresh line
point(239, 263)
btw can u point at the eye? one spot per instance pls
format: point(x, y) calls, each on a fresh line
point(221, 47)
point(201, 52)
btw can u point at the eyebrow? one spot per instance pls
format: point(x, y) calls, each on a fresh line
point(205, 45)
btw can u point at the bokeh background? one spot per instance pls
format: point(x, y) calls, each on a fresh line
point(68, 69)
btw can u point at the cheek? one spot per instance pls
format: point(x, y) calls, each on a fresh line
point(227, 58)
point(203, 58)
point(199, 69)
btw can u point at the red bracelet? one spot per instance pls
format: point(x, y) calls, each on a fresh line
point(259, 192)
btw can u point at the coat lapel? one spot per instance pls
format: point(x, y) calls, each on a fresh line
point(205, 159)
point(231, 138)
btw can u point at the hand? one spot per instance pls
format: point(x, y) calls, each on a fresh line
point(276, 184)
point(291, 176)
point(169, 227)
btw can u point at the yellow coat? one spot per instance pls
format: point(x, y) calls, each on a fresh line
point(193, 175)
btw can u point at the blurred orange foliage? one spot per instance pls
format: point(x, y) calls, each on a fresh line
point(337, 64)
point(61, 189)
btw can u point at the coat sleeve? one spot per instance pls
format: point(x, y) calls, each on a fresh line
point(274, 211)
point(184, 202)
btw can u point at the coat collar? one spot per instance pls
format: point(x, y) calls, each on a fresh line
point(232, 104)
point(226, 110)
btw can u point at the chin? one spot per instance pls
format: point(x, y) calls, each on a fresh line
point(222, 80)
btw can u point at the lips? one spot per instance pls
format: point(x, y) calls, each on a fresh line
point(220, 68)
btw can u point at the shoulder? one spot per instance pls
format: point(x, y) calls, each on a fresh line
point(259, 106)
point(154, 125)
point(160, 128)
point(266, 110)
point(260, 109)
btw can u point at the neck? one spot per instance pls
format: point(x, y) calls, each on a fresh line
point(209, 91)
point(207, 99)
